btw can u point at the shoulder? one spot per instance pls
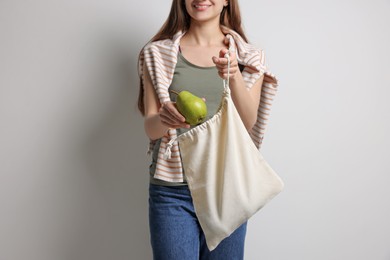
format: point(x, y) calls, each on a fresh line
point(159, 46)
point(252, 60)
point(248, 54)
point(160, 57)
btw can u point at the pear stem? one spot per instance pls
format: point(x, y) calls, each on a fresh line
point(174, 92)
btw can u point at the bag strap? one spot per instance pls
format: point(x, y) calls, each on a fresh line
point(227, 56)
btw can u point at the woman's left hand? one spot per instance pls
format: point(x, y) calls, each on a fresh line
point(222, 64)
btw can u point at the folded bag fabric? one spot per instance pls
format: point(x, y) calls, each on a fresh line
point(228, 178)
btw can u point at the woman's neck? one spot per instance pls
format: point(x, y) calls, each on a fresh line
point(208, 34)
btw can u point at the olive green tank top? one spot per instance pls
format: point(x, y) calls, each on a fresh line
point(200, 81)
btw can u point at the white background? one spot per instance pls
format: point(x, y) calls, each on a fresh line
point(74, 173)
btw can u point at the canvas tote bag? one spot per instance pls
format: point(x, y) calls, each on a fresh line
point(228, 178)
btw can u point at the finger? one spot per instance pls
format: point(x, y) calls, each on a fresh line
point(223, 52)
point(225, 75)
point(169, 120)
point(232, 71)
point(172, 117)
point(172, 123)
point(222, 75)
point(221, 66)
point(215, 60)
point(204, 99)
point(171, 110)
point(220, 61)
point(224, 66)
point(232, 56)
point(225, 70)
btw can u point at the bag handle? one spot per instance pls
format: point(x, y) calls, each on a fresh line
point(227, 56)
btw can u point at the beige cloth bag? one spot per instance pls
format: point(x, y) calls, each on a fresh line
point(228, 178)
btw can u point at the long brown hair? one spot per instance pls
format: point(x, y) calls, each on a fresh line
point(179, 20)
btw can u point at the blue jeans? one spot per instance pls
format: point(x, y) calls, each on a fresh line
point(175, 232)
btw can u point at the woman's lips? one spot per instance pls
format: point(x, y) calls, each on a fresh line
point(201, 7)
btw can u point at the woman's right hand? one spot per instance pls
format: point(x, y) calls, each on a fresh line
point(171, 117)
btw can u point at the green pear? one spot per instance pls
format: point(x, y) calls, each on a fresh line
point(192, 107)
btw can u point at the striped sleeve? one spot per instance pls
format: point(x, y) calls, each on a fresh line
point(268, 92)
point(161, 58)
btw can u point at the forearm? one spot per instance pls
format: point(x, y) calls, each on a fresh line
point(245, 103)
point(154, 128)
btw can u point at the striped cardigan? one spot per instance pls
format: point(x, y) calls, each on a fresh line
point(161, 58)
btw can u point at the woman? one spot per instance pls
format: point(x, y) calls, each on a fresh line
point(188, 53)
